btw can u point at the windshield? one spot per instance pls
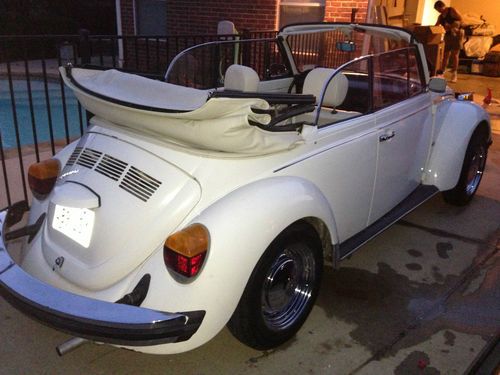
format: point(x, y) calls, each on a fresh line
point(332, 47)
point(204, 66)
point(321, 45)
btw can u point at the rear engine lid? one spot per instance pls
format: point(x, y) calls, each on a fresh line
point(112, 206)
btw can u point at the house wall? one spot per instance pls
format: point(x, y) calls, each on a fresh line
point(340, 11)
point(201, 16)
point(127, 12)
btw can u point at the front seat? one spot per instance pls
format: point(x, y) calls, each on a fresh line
point(336, 91)
point(241, 78)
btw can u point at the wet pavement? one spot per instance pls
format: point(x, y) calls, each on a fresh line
point(422, 298)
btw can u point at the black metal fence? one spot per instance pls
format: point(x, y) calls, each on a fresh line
point(39, 116)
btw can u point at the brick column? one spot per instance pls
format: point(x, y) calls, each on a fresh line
point(340, 11)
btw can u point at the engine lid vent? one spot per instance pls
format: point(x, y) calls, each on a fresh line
point(129, 178)
point(88, 158)
point(74, 156)
point(111, 167)
point(139, 184)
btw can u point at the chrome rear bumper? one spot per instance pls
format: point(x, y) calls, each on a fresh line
point(86, 317)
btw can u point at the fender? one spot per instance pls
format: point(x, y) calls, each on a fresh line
point(242, 224)
point(458, 120)
point(245, 222)
point(255, 206)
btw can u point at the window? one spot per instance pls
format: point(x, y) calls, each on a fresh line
point(358, 95)
point(346, 96)
point(298, 11)
point(396, 77)
point(151, 17)
point(319, 49)
point(416, 78)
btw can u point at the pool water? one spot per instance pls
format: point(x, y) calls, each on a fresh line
point(41, 114)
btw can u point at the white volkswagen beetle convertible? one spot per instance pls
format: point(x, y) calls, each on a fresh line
point(215, 196)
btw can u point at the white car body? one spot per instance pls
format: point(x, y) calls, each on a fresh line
point(341, 179)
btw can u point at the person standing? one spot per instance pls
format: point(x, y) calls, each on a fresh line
point(451, 20)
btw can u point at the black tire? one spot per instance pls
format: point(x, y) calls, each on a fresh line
point(472, 171)
point(281, 290)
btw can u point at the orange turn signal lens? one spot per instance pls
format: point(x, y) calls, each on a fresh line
point(185, 251)
point(42, 177)
point(190, 241)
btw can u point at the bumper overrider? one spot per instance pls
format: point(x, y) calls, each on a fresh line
point(114, 323)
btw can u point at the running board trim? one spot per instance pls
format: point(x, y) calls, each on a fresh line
point(419, 196)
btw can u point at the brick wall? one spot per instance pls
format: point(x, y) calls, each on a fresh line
point(340, 11)
point(202, 16)
point(198, 16)
point(127, 13)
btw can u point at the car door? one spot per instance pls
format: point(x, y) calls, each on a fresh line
point(343, 166)
point(349, 169)
point(403, 119)
point(343, 163)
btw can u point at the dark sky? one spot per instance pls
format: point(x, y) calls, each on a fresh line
point(18, 17)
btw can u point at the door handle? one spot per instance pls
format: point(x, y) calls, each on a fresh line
point(387, 136)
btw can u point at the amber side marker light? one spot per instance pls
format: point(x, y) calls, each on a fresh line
point(185, 251)
point(42, 177)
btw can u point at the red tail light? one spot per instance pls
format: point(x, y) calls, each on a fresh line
point(185, 251)
point(183, 265)
point(42, 177)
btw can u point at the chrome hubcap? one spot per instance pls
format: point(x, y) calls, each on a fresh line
point(476, 168)
point(288, 287)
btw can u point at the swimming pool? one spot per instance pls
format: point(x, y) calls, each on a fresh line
point(40, 111)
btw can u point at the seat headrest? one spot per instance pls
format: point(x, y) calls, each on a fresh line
point(336, 91)
point(241, 78)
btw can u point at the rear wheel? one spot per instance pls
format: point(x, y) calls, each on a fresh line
point(281, 290)
point(472, 171)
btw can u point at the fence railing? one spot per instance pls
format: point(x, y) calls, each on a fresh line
point(39, 116)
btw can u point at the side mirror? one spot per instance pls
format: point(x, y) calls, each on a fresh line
point(437, 85)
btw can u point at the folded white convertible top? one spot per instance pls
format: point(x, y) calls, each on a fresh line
point(178, 113)
point(134, 89)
